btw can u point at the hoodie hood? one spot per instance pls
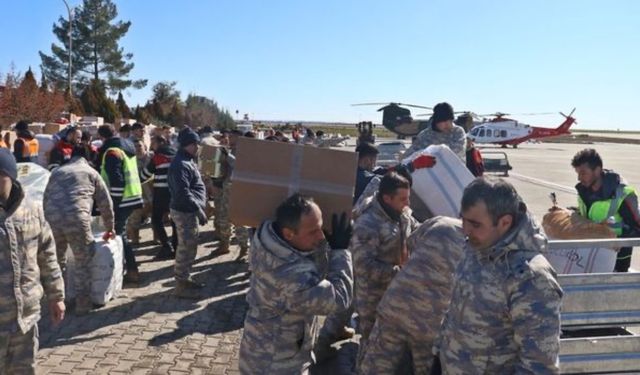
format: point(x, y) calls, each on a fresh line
point(269, 243)
point(610, 182)
point(26, 134)
point(166, 150)
point(121, 143)
point(525, 235)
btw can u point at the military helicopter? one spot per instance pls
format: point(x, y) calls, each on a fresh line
point(505, 131)
point(398, 120)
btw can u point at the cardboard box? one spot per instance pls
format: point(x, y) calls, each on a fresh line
point(211, 158)
point(36, 127)
point(9, 137)
point(53, 128)
point(268, 172)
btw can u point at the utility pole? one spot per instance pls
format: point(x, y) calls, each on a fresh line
point(70, 45)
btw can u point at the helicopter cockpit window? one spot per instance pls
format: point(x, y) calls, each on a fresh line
point(474, 131)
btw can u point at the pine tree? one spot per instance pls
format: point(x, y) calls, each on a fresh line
point(95, 102)
point(122, 107)
point(96, 53)
point(44, 85)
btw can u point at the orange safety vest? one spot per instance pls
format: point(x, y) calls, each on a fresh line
point(2, 144)
point(30, 149)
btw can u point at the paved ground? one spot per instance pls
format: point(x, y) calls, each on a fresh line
point(147, 331)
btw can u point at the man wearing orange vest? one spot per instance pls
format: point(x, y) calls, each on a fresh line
point(25, 147)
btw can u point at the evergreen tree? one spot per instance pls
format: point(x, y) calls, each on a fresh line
point(44, 85)
point(142, 115)
point(122, 107)
point(96, 53)
point(95, 102)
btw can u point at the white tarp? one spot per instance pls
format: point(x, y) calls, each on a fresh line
point(106, 269)
point(33, 179)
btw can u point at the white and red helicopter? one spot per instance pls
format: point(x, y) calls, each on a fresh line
point(504, 131)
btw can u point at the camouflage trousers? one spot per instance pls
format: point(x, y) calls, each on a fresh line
point(139, 215)
point(391, 349)
point(78, 235)
point(221, 219)
point(18, 352)
point(187, 227)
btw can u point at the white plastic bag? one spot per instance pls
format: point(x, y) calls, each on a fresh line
point(588, 260)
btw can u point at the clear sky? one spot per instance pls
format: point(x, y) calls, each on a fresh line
point(309, 60)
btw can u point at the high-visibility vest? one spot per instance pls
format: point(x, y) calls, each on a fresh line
point(601, 211)
point(31, 147)
point(132, 193)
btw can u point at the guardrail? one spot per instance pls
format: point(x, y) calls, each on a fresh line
point(592, 302)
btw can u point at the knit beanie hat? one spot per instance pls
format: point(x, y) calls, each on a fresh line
point(8, 164)
point(441, 112)
point(187, 137)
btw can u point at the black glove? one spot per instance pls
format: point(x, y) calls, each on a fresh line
point(202, 217)
point(340, 232)
point(436, 368)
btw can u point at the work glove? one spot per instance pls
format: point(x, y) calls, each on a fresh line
point(340, 232)
point(202, 217)
point(109, 235)
point(422, 161)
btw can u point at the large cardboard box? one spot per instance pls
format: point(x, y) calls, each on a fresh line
point(211, 158)
point(268, 172)
point(53, 128)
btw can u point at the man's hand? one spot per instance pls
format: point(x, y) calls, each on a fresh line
point(202, 217)
point(57, 309)
point(109, 235)
point(340, 232)
point(423, 161)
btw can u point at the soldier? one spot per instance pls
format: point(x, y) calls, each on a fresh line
point(119, 170)
point(295, 277)
point(27, 267)
point(409, 315)
point(441, 131)
point(68, 200)
point(379, 247)
point(188, 201)
point(158, 168)
point(504, 316)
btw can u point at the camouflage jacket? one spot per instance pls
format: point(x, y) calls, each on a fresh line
point(419, 294)
point(71, 192)
point(288, 288)
point(456, 140)
point(376, 244)
point(504, 316)
point(28, 263)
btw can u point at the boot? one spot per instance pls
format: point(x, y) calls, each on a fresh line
point(223, 248)
point(131, 277)
point(243, 253)
point(133, 236)
point(166, 252)
point(188, 289)
point(83, 305)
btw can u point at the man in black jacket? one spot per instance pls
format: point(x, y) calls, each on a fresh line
point(188, 200)
point(118, 168)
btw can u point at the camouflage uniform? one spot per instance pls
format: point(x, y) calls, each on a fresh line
point(504, 316)
point(28, 266)
point(187, 228)
point(68, 200)
point(409, 315)
point(456, 140)
point(378, 245)
point(223, 225)
point(288, 289)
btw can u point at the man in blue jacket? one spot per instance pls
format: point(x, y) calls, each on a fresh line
point(188, 199)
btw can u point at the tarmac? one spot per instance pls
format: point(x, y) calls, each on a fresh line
point(146, 330)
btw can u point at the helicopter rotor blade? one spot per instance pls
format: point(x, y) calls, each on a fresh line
point(394, 103)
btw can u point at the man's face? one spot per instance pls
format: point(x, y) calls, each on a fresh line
point(138, 133)
point(588, 176)
point(5, 186)
point(479, 228)
point(192, 149)
point(309, 234)
point(398, 201)
point(445, 126)
point(369, 162)
point(74, 137)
